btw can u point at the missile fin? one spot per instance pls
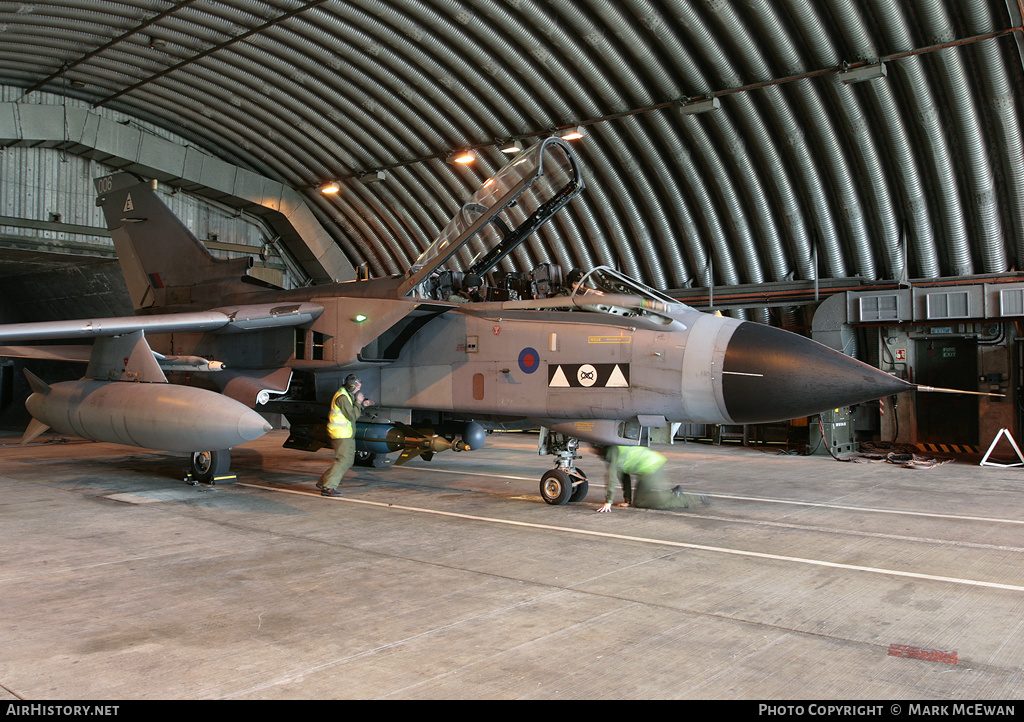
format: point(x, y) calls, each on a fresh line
point(407, 455)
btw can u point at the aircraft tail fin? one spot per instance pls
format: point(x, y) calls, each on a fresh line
point(161, 259)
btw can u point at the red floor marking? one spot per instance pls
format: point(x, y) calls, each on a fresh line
point(930, 655)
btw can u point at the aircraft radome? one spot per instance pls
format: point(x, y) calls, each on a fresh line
point(210, 346)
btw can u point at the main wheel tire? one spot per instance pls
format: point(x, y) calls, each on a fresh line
point(208, 465)
point(555, 487)
point(365, 458)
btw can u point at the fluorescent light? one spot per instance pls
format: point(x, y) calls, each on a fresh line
point(864, 72)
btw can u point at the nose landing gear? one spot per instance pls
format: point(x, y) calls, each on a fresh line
point(565, 482)
point(558, 487)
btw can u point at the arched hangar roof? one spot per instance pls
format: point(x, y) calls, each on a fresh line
point(748, 141)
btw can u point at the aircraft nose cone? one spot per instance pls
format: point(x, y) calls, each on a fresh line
point(774, 375)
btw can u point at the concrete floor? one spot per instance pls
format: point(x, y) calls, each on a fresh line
point(805, 579)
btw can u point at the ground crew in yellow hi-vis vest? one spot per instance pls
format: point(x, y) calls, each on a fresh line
point(651, 491)
point(346, 406)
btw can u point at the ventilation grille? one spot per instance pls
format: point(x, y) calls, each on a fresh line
point(947, 305)
point(1011, 302)
point(879, 308)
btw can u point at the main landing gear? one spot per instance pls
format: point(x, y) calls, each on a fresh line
point(565, 482)
point(209, 467)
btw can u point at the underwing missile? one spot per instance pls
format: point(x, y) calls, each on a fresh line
point(188, 363)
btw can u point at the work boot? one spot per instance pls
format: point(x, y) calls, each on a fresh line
point(684, 499)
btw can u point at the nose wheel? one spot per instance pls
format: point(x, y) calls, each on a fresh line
point(558, 487)
point(565, 482)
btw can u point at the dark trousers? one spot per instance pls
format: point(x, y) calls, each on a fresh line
point(344, 457)
point(652, 492)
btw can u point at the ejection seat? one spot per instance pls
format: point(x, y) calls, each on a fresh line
point(546, 280)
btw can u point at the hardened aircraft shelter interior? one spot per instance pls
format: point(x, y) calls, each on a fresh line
point(851, 170)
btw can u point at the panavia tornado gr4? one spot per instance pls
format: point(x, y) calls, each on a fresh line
point(596, 359)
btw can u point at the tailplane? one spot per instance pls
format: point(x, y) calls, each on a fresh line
point(163, 263)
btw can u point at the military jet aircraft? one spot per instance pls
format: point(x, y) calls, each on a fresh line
point(597, 360)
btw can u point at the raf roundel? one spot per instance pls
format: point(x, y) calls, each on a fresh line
point(529, 360)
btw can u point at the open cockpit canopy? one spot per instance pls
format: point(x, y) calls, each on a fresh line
point(505, 211)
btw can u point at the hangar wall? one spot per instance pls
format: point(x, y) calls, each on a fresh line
point(46, 185)
point(968, 356)
point(125, 142)
point(56, 256)
point(963, 336)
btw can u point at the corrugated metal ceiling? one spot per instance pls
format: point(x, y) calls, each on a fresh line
point(917, 173)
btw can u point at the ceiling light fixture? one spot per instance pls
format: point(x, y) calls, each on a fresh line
point(574, 133)
point(700, 106)
point(511, 147)
point(462, 157)
point(862, 73)
point(330, 187)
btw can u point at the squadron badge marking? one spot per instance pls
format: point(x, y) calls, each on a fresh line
point(582, 376)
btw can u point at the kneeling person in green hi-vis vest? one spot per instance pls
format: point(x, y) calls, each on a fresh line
point(651, 491)
point(346, 406)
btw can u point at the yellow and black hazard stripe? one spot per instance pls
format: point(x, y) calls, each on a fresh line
point(948, 448)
